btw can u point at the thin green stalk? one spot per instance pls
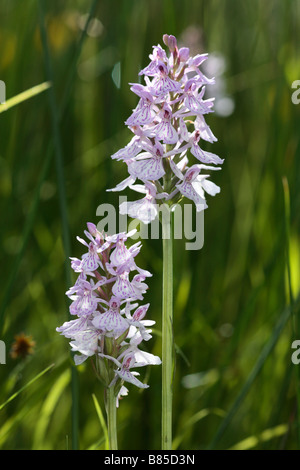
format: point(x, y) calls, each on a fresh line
point(167, 334)
point(102, 421)
point(111, 411)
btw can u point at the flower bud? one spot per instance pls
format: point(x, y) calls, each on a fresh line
point(92, 228)
point(166, 39)
point(170, 41)
point(184, 54)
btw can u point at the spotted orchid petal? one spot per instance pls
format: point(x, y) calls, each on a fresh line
point(148, 169)
point(111, 322)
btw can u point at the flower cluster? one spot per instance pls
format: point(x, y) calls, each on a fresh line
point(168, 125)
point(109, 321)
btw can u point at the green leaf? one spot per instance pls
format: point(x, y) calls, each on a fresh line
point(265, 436)
point(102, 421)
point(48, 408)
point(38, 376)
point(24, 96)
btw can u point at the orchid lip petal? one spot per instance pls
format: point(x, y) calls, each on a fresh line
point(149, 169)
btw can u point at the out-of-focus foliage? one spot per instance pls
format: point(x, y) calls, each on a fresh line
point(229, 296)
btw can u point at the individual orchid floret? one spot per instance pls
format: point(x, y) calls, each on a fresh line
point(193, 186)
point(149, 168)
point(121, 254)
point(145, 111)
point(130, 151)
point(193, 101)
point(85, 342)
point(145, 209)
point(126, 375)
point(205, 131)
point(142, 358)
point(165, 131)
point(127, 183)
point(122, 393)
point(71, 328)
point(159, 54)
point(162, 83)
point(139, 326)
point(90, 261)
point(202, 155)
point(193, 66)
point(124, 289)
point(111, 321)
point(85, 301)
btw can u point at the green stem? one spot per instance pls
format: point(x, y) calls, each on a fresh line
point(111, 411)
point(167, 334)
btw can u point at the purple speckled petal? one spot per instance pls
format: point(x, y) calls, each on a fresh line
point(188, 191)
point(164, 84)
point(165, 131)
point(204, 129)
point(71, 328)
point(111, 321)
point(148, 169)
point(122, 288)
point(144, 115)
point(90, 261)
point(120, 254)
point(84, 305)
point(144, 210)
point(205, 157)
point(127, 376)
point(130, 151)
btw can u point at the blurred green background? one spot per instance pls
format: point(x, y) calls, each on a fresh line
point(236, 300)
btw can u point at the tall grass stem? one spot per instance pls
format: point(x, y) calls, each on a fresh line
point(167, 334)
point(111, 411)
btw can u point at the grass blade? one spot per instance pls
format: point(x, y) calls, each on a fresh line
point(25, 95)
point(12, 397)
point(290, 295)
point(265, 436)
point(47, 409)
point(102, 420)
point(193, 420)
